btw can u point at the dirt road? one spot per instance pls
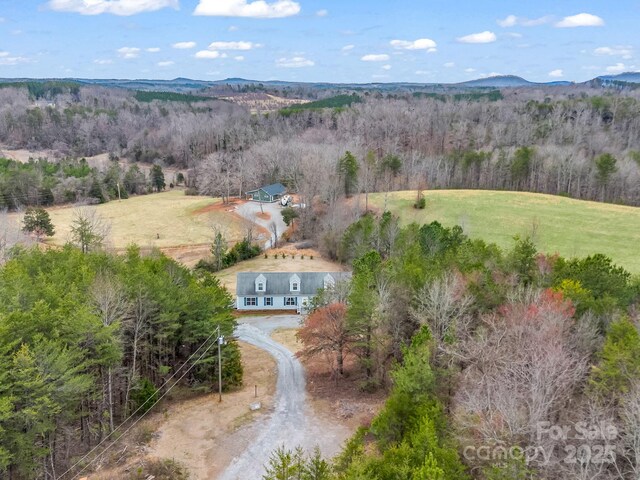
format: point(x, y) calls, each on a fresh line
point(250, 211)
point(293, 422)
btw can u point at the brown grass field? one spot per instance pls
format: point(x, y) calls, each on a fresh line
point(180, 221)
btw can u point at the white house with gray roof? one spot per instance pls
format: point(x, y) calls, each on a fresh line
point(282, 290)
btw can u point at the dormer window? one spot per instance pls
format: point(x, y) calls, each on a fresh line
point(294, 283)
point(261, 283)
point(328, 282)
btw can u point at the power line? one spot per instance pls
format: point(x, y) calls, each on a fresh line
point(138, 409)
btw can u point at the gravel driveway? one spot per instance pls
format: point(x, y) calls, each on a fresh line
point(293, 423)
point(250, 210)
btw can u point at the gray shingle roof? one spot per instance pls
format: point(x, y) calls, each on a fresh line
point(278, 282)
point(274, 189)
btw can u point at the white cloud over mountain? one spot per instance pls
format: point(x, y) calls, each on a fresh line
point(295, 62)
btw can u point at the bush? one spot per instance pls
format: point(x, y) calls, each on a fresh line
point(420, 204)
point(144, 396)
point(191, 191)
point(160, 470)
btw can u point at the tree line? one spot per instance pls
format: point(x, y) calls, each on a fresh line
point(44, 183)
point(581, 142)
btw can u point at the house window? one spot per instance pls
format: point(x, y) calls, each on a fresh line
point(250, 301)
point(290, 301)
point(261, 287)
point(295, 287)
point(268, 301)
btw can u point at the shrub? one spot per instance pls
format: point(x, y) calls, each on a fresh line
point(160, 470)
point(191, 191)
point(420, 204)
point(144, 396)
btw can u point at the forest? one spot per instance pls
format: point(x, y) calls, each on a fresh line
point(483, 351)
point(576, 141)
point(486, 352)
point(88, 340)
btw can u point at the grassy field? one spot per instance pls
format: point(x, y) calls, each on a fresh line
point(556, 224)
point(178, 219)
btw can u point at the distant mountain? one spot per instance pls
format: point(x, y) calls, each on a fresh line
point(187, 85)
point(507, 81)
point(629, 77)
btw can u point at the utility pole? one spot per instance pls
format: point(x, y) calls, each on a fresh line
point(119, 197)
point(220, 339)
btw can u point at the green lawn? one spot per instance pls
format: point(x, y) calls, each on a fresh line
point(557, 224)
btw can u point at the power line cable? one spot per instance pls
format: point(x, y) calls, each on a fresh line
point(139, 408)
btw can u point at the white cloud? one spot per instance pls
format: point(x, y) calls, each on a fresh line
point(115, 7)
point(184, 45)
point(101, 61)
point(490, 75)
point(239, 58)
point(625, 52)
point(419, 44)
point(386, 67)
point(423, 72)
point(7, 60)
point(322, 13)
point(153, 50)
point(617, 68)
point(556, 73)
point(449, 64)
point(513, 35)
point(166, 63)
point(208, 54)
point(233, 45)
point(482, 37)
point(129, 52)
point(295, 62)
point(233, 28)
point(580, 20)
point(346, 48)
point(375, 57)
point(512, 21)
point(246, 8)
point(469, 70)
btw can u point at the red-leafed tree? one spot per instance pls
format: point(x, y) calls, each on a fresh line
point(325, 332)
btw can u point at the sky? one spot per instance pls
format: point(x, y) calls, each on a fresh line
point(319, 40)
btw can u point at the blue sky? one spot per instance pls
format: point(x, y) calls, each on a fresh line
point(316, 40)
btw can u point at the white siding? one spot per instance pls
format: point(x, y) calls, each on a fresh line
point(278, 303)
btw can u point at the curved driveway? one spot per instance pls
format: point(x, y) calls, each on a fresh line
point(292, 423)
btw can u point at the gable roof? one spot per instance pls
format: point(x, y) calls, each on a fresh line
point(274, 189)
point(278, 282)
